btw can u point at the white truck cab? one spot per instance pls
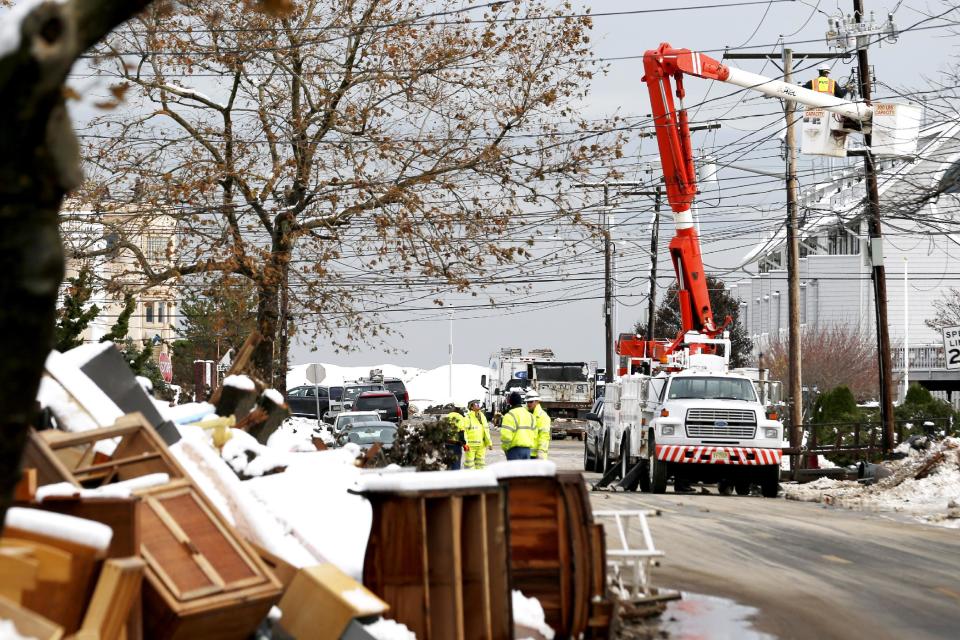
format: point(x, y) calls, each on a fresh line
point(694, 419)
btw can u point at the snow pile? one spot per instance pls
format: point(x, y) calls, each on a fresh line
point(311, 499)
point(433, 387)
point(427, 387)
point(250, 459)
point(337, 375)
point(924, 484)
point(527, 612)
point(297, 434)
point(385, 629)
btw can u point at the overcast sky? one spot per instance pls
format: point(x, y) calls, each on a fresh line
point(575, 329)
point(738, 211)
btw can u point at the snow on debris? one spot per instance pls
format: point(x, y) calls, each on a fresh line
point(523, 468)
point(122, 489)
point(8, 631)
point(189, 413)
point(425, 481)
point(386, 629)
point(243, 383)
point(528, 612)
point(924, 484)
point(311, 499)
point(61, 527)
point(80, 404)
point(297, 433)
point(274, 396)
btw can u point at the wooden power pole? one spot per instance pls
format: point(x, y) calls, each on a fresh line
point(794, 369)
point(878, 272)
point(654, 246)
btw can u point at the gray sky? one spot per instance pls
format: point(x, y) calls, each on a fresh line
point(574, 329)
point(738, 211)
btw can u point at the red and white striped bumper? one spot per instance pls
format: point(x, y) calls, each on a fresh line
point(694, 454)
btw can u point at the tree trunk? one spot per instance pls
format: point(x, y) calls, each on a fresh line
point(39, 163)
point(268, 323)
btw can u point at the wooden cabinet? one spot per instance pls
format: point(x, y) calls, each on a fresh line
point(438, 558)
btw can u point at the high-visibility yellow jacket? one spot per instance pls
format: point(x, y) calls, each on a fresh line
point(456, 424)
point(541, 423)
point(476, 430)
point(517, 430)
point(823, 84)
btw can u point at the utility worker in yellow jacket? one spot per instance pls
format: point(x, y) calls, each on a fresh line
point(823, 83)
point(517, 434)
point(477, 434)
point(456, 423)
point(541, 424)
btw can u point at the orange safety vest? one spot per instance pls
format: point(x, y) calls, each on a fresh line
point(821, 84)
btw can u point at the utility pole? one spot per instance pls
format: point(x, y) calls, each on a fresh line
point(794, 369)
point(876, 248)
point(654, 246)
point(608, 293)
point(607, 285)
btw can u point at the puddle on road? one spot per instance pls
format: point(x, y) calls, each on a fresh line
point(701, 617)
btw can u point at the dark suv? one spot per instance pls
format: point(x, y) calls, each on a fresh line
point(383, 402)
point(303, 400)
point(400, 391)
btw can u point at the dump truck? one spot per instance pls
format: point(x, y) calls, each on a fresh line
point(567, 388)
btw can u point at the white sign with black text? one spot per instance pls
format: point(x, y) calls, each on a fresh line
point(951, 347)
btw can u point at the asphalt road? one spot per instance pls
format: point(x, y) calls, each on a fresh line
point(812, 571)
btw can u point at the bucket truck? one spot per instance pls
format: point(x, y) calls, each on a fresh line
point(678, 409)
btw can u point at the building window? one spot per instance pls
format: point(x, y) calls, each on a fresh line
point(156, 247)
point(160, 312)
point(148, 312)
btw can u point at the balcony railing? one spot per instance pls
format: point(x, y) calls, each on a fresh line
point(922, 356)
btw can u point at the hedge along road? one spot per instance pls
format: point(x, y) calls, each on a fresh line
point(812, 571)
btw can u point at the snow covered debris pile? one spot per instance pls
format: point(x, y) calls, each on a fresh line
point(386, 629)
point(528, 613)
point(925, 484)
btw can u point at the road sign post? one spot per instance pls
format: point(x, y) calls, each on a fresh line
point(951, 347)
point(315, 374)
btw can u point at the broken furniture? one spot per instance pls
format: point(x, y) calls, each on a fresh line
point(343, 600)
point(78, 458)
point(68, 552)
point(203, 580)
point(438, 555)
point(27, 623)
point(557, 551)
point(632, 566)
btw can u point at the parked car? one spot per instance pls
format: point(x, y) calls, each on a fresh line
point(383, 402)
point(303, 400)
point(352, 391)
point(336, 397)
point(345, 419)
point(399, 389)
point(366, 434)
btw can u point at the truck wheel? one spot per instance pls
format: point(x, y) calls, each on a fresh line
point(644, 475)
point(743, 488)
point(770, 481)
point(603, 455)
point(725, 488)
point(589, 463)
point(657, 470)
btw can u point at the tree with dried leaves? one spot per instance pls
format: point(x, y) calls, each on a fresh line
point(400, 142)
point(946, 310)
point(832, 356)
point(39, 164)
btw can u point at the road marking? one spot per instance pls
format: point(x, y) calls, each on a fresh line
point(948, 592)
point(836, 559)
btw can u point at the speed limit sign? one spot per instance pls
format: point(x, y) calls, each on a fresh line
point(951, 346)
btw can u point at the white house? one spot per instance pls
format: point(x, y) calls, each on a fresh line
point(921, 239)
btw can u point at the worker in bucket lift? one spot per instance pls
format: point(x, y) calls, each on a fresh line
point(456, 423)
point(823, 83)
point(541, 424)
point(477, 434)
point(518, 436)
